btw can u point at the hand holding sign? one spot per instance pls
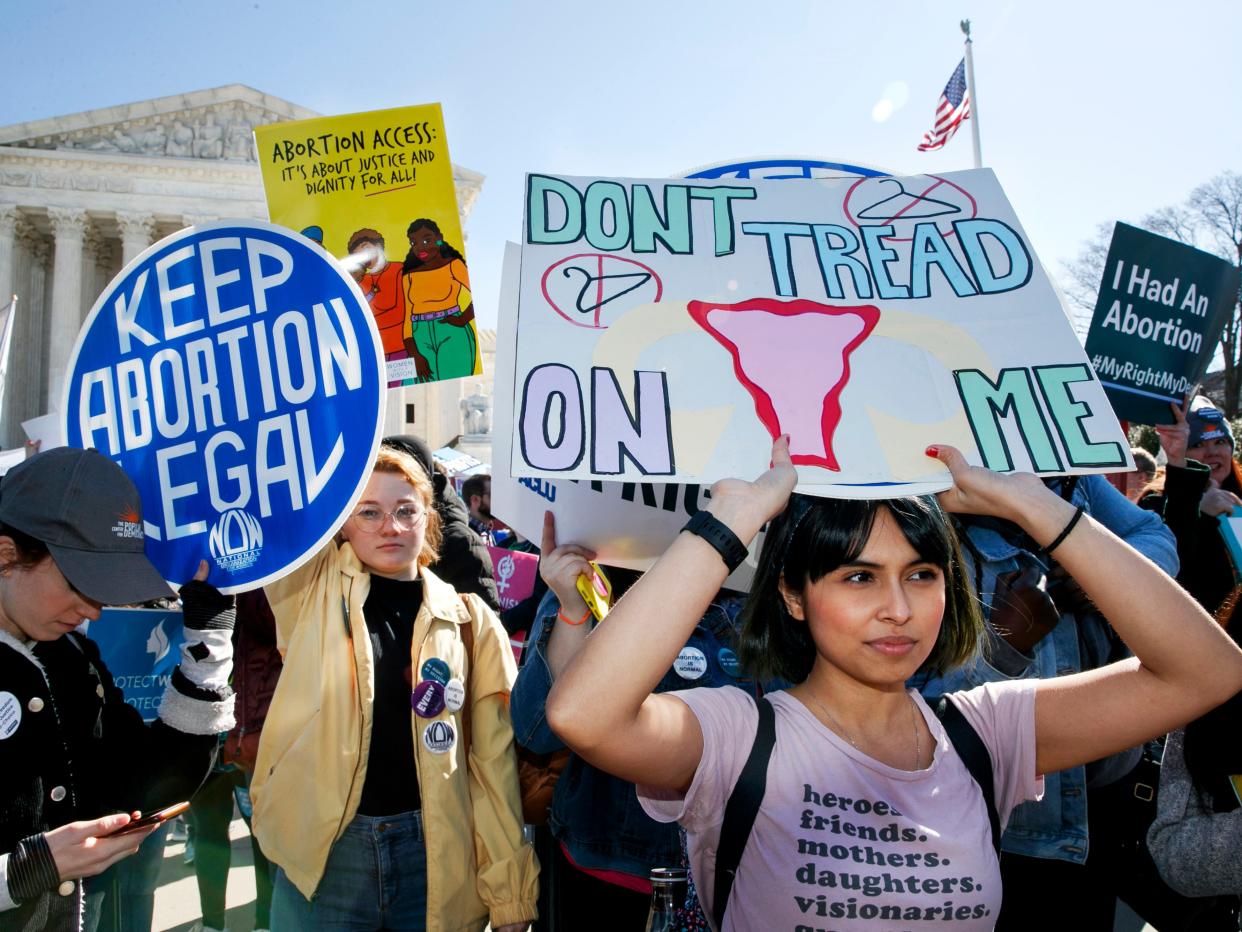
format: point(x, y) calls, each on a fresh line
point(561, 566)
point(1174, 437)
point(234, 371)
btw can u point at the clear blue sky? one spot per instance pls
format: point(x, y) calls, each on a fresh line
point(1090, 112)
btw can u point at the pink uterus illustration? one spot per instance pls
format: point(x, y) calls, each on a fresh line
point(794, 359)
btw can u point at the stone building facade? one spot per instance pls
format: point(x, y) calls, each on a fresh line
point(83, 194)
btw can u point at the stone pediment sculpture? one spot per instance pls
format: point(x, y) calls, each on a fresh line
point(212, 124)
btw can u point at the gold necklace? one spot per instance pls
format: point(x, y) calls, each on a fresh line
point(918, 750)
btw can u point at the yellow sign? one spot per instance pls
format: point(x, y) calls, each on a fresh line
point(376, 190)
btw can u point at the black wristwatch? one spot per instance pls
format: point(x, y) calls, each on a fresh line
point(716, 533)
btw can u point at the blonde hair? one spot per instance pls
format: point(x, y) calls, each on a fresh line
point(398, 463)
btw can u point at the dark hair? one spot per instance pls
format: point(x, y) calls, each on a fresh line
point(365, 235)
point(475, 485)
point(412, 262)
point(814, 536)
point(30, 550)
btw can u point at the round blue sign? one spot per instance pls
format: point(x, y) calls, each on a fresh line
point(234, 371)
point(783, 168)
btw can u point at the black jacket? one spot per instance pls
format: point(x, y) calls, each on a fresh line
point(1206, 571)
point(73, 749)
point(464, 563)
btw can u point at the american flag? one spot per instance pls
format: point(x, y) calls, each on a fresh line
point(953, 107)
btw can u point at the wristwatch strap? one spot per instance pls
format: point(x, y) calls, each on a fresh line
point(706, 526)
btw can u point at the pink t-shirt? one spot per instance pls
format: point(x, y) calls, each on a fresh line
point(844, 842)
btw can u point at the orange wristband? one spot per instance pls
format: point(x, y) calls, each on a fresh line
point(569, 621)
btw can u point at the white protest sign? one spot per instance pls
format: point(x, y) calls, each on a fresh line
point(47, 430)
point(627, 524)
point(668, 330)
point(235, 372)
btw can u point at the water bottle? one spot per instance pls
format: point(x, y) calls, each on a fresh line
point(668, 893)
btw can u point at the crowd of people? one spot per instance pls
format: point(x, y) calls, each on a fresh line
point(947, 709)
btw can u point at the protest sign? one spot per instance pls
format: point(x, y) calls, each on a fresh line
point(515, 574)
point(667, 331)
point(627, 524)
point(1161, 308)
point(376, 189)
point(46, 430)
point(234, 372)
point(140, 647)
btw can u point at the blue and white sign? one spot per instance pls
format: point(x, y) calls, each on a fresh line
point(234, 371)
point(140, 647)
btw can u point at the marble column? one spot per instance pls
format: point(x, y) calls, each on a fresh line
point(95, 252)
point(194, 220)
point(8, 227)
point(68, 227)
point(137, 231)
point(25, 394)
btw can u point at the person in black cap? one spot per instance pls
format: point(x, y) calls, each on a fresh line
point(78, 761)
point(1200, 484)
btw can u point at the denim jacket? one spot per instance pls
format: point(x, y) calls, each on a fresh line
point(1056, 826)
point(595, 815)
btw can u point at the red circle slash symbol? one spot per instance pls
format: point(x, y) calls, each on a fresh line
point(592, 289)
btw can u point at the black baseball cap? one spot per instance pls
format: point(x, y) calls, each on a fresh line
point(88, 513)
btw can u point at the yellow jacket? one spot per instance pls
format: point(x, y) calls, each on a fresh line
point(313, 753)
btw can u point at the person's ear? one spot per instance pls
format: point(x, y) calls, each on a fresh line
point(792, 600)
point(8, 554)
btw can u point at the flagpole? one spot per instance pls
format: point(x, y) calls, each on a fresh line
point(974, 99)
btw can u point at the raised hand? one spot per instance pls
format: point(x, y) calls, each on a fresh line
point(979, 491)
point(1174, 437)
point(746, 506)
point(561, 566)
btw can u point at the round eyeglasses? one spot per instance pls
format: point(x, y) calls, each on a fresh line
point(403, 517)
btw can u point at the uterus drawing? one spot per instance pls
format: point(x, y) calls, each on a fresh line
point(793, 357)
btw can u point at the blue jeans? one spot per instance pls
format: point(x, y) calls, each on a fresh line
point(376, 878)
point(122, 898)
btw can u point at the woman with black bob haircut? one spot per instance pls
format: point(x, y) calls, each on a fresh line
point(814, 536)
point(868, 817)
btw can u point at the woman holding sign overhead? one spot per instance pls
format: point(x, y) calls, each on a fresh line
point(867, 813)
point(386, 788)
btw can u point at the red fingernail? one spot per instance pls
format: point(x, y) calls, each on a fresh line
point(933, 451)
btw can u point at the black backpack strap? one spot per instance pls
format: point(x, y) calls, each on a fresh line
point(974, 754)
point(742, 808)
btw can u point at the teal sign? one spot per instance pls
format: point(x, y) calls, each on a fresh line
point(1160, 311)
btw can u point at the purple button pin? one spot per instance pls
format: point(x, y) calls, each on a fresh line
point(427, 699)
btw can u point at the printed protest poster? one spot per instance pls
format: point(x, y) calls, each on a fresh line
point(234, 371)
point(627, 524)
point(515, 574)
point(376, 190)
point(140, 647)
point(668, 330)
point(1160, 311)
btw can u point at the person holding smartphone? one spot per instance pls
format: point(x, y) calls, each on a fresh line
point(79, 763)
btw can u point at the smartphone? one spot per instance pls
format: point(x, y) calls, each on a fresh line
point(596, 591)
point(155, 818)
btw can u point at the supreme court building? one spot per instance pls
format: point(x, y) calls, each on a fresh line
point(83, 194)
